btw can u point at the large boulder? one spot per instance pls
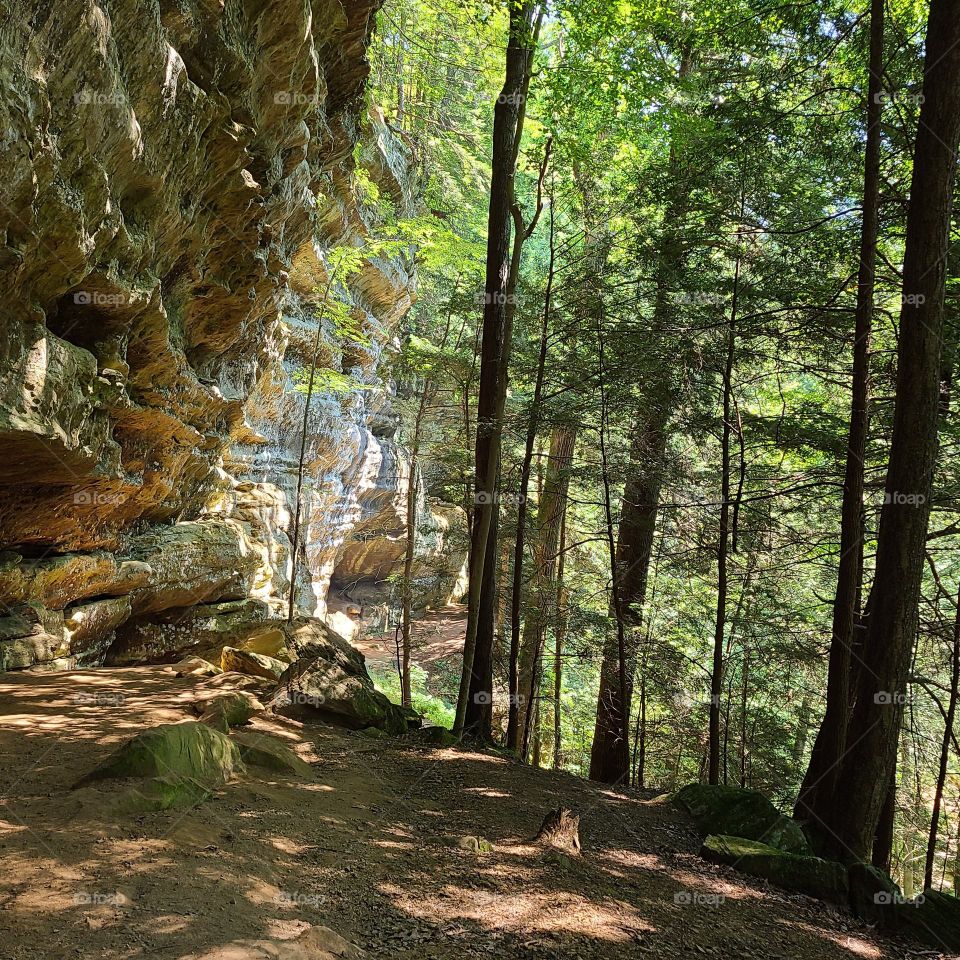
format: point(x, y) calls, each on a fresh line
point(231, 709)
point(823, 879)
point(933, 918)
point(253, 664)
point(733, 812)
point(263, 751)
point(192, 750)
point(874, 897)
point(330, 682)
point(323, 690)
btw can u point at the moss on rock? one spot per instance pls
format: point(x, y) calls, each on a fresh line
point(818, 878)
point(732, 812)
point(264, 751)
point(192, 750)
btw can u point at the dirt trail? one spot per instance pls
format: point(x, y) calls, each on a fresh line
point(368, 847)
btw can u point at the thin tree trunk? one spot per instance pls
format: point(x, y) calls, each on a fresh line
point(550, 514)
point(944, 752)
point(816, 793)
point(479, 709)
point(723, 543)
point(876, 721)
point(533, 425)
point(495, 342)
point(301, 460)
point(406, 616)
point(559, 635)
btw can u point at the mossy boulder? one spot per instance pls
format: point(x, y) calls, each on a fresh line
point(823, 879)
point(933, 918)
point(231, 709)
point(149, 795)
point(250, 663)
point(192, 750)
point(873, 895)
point(263, 751)
point(329, 690)
point(732, 812)
point(436, 737)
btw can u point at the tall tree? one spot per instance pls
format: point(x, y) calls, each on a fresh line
point(881, 691)
point(816, 793)
point(495, 348)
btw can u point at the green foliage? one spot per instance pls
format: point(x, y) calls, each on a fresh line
point(435, 711)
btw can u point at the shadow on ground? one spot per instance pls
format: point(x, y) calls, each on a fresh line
point(367, 846)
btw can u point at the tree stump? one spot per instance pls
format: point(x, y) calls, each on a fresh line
point(560, 829)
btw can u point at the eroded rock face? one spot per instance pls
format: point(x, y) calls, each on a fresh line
point(174, 176)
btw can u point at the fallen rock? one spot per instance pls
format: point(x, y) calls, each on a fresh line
point(231, 709)
point(732, 812)
point(269, 642)
point(253, 664)
point(325, 690)
point(823, 879)
point(934, 918)
point(192, 750)
point(264, 751)
point(874, 897)
point(196, 667)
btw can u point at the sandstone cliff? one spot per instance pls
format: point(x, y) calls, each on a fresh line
point(173, 177)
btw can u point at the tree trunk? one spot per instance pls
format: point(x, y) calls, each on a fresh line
point(944, 751)
point(609, 757)
point(723, 541)
point(495, 347)
point(301, 460)
point(407, 611)
point(609, 752)
point(514, 730)
point(545, 548)
point(816, 793)
point(877, 715)
point(559, 635)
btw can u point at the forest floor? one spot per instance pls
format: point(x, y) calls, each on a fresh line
point(368, 846)
point(436, 637)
